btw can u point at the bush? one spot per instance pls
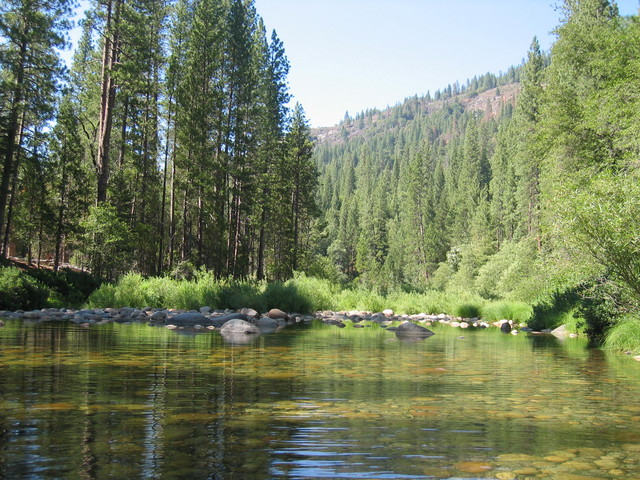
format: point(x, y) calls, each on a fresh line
point(69, 288)
point(103, 297)
point(600, 307)
point(550, 313)
point(18, 291)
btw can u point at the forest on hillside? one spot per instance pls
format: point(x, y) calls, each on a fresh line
point(169, 147)
point(523, 186)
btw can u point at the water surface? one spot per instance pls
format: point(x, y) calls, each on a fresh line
point(132, 401)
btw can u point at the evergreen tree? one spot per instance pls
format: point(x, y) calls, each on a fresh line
point(29, 74)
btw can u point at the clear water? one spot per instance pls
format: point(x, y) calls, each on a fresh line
point(132, 401)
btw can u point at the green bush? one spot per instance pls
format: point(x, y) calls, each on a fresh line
point(69, 288)
point(550, 313)
point(19, 291)
point(103, 297)
point(600, 306)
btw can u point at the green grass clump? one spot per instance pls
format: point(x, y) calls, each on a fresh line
point(361, 299)
point(516, 311)
point(431, 301)
point(624, 336)
point(468, 310)
point(320, 293)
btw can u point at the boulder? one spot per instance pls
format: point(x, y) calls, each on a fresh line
point(277, 313)
point(238, 326)
point(410, 329)
point(250, 312)
point(223, 319)
point(335, 321)
point(267, 324)
point(560, 332)
point(188, 319)
point(505, 327)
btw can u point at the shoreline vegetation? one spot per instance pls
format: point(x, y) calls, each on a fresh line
point(33, 289)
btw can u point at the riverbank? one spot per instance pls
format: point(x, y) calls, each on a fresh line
point(267, 322)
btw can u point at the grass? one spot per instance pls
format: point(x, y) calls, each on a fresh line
point(300, 294)
point(624, 336)
point(468, 310)
point(517, 311)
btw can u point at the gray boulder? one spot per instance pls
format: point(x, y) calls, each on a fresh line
point(223, 319)
point(238, 326)
point(188, 319)
point(414, 330)
point(249, 312)
point(267, 324)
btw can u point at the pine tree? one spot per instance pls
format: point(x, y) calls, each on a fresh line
point(29, 73)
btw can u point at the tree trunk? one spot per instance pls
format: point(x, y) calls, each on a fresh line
point(13, 173)
point(14, 141)
point(108, 90)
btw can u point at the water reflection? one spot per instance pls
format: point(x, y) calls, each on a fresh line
point(321, 402)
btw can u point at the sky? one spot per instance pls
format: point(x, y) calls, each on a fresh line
point(354, 55)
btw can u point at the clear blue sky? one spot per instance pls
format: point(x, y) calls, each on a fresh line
point(351, 55)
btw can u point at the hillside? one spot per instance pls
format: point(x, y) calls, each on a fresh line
point(489, 102)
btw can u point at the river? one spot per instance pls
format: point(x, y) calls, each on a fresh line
point(133, 402)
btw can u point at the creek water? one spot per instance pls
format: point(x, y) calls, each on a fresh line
point(133, 401)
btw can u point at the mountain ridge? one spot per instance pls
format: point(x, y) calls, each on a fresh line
point(491, 102)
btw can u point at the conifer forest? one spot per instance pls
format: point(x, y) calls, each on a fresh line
point(170, 144)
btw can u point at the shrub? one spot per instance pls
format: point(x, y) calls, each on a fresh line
point(549, 313)
point(103, 297)
point(18, 291)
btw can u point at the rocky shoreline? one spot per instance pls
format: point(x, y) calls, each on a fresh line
point(247, 321)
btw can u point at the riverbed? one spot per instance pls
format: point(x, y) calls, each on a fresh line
point(312, 401)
